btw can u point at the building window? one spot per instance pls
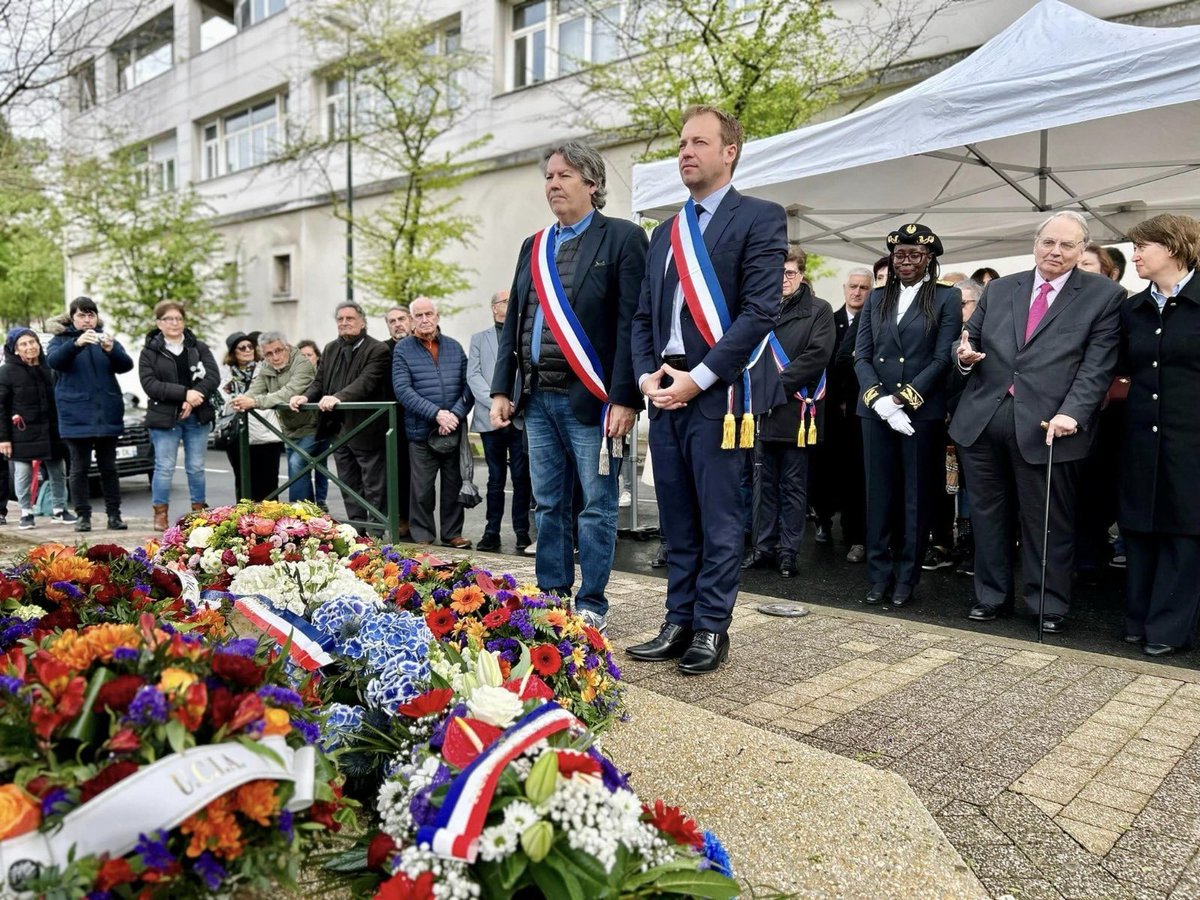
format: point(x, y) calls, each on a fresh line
point(216, 23)
point(244, 138)
point(552, 38)
point(251, 12)
point(155, 162)
point(146, 53)
point(366, 105)
point(281, 275)
point(83, 86)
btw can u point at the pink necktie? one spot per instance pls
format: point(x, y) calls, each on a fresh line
point(1037, 310)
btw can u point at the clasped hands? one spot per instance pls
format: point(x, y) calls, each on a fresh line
point(683, 388)
point(892, 412)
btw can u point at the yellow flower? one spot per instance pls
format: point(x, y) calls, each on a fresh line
point(277, 721)
point(476, 630)
point(19, 812)
point(173, 679)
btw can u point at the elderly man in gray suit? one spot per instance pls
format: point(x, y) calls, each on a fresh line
point(503, 448)
point(1041, 347)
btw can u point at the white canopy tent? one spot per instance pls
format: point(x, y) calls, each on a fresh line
point(1060, 110)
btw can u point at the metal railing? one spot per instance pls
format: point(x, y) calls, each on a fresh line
point(377, 520)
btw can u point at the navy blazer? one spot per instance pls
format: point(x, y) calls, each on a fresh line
point(913, 351)
point(746, 240)
point(604, 295)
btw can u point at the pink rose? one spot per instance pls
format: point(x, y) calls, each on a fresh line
point(173, 536)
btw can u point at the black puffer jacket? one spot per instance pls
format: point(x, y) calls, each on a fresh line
point(27, 392)
point(159, 375)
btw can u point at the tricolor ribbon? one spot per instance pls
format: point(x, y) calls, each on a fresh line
point(308, 647)
point(572, 340)
point(697, 277)
point(455, 831)
point(807, 434)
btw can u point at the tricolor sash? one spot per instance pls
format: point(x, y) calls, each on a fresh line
point(572, 340)
point(455, 832)
point(808, 405)
point(308, 647)
point(697, 278)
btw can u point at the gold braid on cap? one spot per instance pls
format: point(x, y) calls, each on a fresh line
point(908, 396)
point(873, 393)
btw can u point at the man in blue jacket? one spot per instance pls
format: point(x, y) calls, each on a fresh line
point(429, 374)
point(91, 410)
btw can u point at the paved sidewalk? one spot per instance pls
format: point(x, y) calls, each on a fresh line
point(1055, 773)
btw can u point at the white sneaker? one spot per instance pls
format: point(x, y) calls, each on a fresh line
point(625, 500)
point(531, 550)
point(594, 619)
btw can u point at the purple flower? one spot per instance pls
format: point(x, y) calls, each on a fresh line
point(438, 736)
point(591, 661)
point(154, 852)
point(609, 774)
point(15, 630)
point(99, 895)
point(510, 580)
point(125, 654)
point(53, 798)
point(280, 696)
point(285, 825)
point(613, 670)
point(239, 646)
point(310, 732)
point(69, 589)
point(441, 595)
point(571, 668)
point(565, 648)
point(10, 684)
point(423, 812)
point(210, 870)
point(520, 621)
point(149, 707)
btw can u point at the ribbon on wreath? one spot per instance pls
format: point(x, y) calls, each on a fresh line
point(572, 340)
point(455, 832)
point(308, 647)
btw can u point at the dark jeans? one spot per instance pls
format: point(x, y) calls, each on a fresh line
point(365, 472)
point(426, 467)
point(504, 450)
point(106, 460)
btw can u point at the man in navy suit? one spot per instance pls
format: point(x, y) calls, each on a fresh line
point(563, 358)
point(692, 337)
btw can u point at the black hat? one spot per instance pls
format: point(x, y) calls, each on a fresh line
point(234, 339)
point(916, 236)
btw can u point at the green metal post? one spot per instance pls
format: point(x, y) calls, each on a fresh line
point(243, 479)
point(393, 487)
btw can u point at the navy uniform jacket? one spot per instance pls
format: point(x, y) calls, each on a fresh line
point(908, 354)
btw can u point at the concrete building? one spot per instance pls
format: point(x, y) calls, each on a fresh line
point(207, 88)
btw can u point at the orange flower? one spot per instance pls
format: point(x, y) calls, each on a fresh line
point(277, 722)
point(556, 618)
point(66, 567)
point(48, 552)
point(79, 649)
point(466, 600)
point(19, 812)
point(214, 828)
point(208, 621)
point(256, 800)
point(475, 629)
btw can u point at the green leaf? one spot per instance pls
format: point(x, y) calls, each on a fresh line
point(258, 748)
point(524, 664)
point(177, 736)
point(695, 883)
point(556, 883)
point(83, 729)
point(585, 866)
point(349, 861)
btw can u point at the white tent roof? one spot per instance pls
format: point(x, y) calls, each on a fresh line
point(1060, 110)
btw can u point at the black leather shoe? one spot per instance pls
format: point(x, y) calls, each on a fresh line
point(116, 523)
point(756, 559)
point(981, 612)
point(823, 535)
point(1135, 638)
point(876, 595)
point(1159, 650)
point(672, 642)
point(707, 652)
point(489, 543)
point(660, 558)
point(1054, 625)
point(902, 595)
point(787, 566)
point(523, 541)
point(83, 523)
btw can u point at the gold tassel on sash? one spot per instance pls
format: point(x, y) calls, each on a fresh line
point(812, 429)
point(729, 432)
point(747, 441)
point(800, 441)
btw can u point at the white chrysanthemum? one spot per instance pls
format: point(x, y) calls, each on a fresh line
point(520, 815)
point(497, 842)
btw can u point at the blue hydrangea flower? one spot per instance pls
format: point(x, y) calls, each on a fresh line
point(399, 680)
point(341, 720)
point(149, 707)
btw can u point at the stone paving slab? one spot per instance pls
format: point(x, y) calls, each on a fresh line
point(1055, 773)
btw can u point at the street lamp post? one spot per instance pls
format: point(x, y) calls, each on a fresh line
point(349, 177)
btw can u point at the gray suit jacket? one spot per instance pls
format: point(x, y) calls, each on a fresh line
point(481, 364)
point(1065, 367)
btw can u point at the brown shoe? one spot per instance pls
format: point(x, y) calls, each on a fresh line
point(197, 507)
point(403, 532)
point(458, 543)
point(160, 517)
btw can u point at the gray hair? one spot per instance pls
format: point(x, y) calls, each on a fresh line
point(428, 300)
point(399, 308)
point(270, 337)
point(350, 304)
point(861, 271)
point(587, 161)
point(1075, 217)
point(970, 286)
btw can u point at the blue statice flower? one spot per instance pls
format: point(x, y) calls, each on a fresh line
point(99, 895)
point(246, 646)
point(613, 669)
point(716, 857)
point(308, 731)
point(153, 851)
point(126, 654)
point(565, 648)
point(341, 720)
point(13, 630)
point(54, 798)
point(520, 620)
point(280, 696)
point(285, 825)
point(591, 661)
point(441, 595)
point(510, 580)
point(210, 870)
point(10, 684)
point(612, 777)
point(149, 707)
point(69, 589)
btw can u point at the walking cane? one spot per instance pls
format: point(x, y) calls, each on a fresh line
point(1045, 537)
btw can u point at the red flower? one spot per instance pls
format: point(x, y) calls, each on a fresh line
point(440, 622)
point(546, 659)
point(165, 582)
point(241, 670)
point(358, 561)
point(466, 739)
point(221, 704)
point(62, 617)
point(106, 778)
point(403, 593)
point(191, 711)
point(124, 741)
point(669, 820)
point(484, 580)
point(114, 872)
point(118, 693)
point(381, 847)
point(228, 558)
point(497, 617)
point(260, 555)
point(428, 704)
point(103, 553)
point(249, 710)
point(401, 887)
point(513, 603)
point(322, 811)
point(530, 687)
point(594, 637)
point(11, 589)
point(106, 594)
point(572, 761)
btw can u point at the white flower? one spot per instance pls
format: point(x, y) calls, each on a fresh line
point(28, 612)
point(497, 842)
point(487, 669)
point(520, 815)
point(495, 705)
point(347, 533)
point(200, 537)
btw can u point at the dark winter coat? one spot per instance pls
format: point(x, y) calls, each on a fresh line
point(424, 387)
point(354, 373)
point(1161, 442)
point(88, 396)
point(160, 379)
point(28, 392)
point(806, 331)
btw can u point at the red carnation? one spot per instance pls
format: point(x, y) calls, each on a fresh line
point(358, 561)
point(106, 778)
point(260, 555)
point(572, 761)
point(106, 594)
point(114, 872)
point(546, 659)
point(440, 622)
point(403, 593)
point(221, 704)
point(118, 693)
point(497, 617)
point(401, 887)
point(62, 618)
point(165, 582)
point(228, 557)
point(103, 553)
point(669, 820)
point(381, 847)
point(427, 704)
point(241, 670)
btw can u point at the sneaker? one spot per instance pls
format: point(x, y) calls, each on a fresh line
point(489, 543)
point(625, 500)
point(26, 522)
point(1118, 561)
point(63, 516)
point(531, 550)
point(857, 553)
point(594, 619)
point(967, 566)
point(937, 558)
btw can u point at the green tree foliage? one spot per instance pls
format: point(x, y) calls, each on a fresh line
point(145, 245)
point(407, 75)
point(31, 260)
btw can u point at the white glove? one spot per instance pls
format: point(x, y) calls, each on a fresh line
point(887, 407)
point(899, 421)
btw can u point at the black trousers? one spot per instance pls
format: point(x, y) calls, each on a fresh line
point(1162, 586)
point(504, 449)
point(366, 472)
point(427, 466)
point(403, 465)
point(837, 475)
point(106, 460)
point(999, 476)
point(901, 485)
point(264, 468)
point(780, 496)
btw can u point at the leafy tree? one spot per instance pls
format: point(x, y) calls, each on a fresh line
point(407, 75)
point(31, 260)
point(146, 245)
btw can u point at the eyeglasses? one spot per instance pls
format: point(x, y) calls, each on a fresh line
point(909, 255)
point(171, 319)
point(244, 347)
point(787, 273)
point(1065, 246)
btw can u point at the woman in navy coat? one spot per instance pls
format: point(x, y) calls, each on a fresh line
point(901, 358)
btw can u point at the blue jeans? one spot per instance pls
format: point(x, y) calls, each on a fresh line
point(560, 447)
point(193, 434)
point(301, 489)
point(58, 484)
